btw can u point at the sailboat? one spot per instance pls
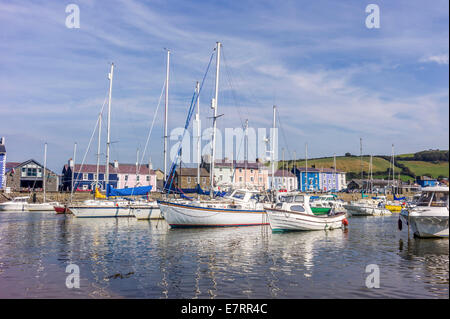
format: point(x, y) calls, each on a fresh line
point(117, 207)
point(240, 208)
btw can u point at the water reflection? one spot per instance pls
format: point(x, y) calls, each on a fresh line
point(145, 259)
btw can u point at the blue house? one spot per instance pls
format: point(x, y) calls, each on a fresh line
point(425, 181)
point(307, 180)
point(2, 163)
point(84, 177)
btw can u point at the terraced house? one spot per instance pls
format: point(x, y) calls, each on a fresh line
point(120, 176)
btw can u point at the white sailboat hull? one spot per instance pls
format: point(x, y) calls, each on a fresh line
point(184, 215)
point(283, 220)
point(14, 207)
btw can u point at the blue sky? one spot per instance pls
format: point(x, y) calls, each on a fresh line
point(333, 79)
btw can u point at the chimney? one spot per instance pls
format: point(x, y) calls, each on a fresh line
point(150, 165)
point(116, 164)
point(70, 163)
point(2, 141)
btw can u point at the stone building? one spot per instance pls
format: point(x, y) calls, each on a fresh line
point(29, 175)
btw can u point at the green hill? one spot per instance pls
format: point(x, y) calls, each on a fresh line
point(434, 164)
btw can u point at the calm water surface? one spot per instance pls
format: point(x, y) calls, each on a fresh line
point(126, 258)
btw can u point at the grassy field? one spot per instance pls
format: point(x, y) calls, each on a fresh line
point(352, 164)
point(347, 164)
point(427, 168)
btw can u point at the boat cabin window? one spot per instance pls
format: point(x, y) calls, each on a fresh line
point(440, 199)
point(239, 195)
point(297, 208)
point(299, 199)
point(255, 197)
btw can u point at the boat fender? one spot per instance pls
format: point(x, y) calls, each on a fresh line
point(345, 222)
point(400, 226)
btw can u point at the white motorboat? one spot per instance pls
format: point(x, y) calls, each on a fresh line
point(240, 208)
point(367, 207)
point(295, 213)
point(328, 201)
point(49, 206)
point(429, 216)
point(17, 204)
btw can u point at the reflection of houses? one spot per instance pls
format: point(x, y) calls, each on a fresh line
point(425, 181)
point(30, 175)
point(283, 179)
point(120, 176)
point(2, 162)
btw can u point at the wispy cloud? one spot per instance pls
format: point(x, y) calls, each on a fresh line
point(333, 79)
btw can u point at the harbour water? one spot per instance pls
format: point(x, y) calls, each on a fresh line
point(126, 258)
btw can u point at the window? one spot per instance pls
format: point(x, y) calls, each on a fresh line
point(251, 171)
point(85, 177)
point(251, 179)
point(147, 178)
point(195, 179)
point(240, 178)
point(240, 170)
point(95, 176)
point(220, 177)
point(137, 178)
point(126, 177)
point(85, 186)
point(189, 180)
point(260, 179)
point(297, 208)
point(203, 180)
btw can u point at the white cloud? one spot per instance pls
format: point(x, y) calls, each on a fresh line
point(439, 59)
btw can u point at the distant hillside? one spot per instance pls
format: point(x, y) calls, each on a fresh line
point(433, 163)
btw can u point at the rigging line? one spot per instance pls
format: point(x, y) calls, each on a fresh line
point(87, 150)
point(233, 93)
point(284, 135)
point(228, 72)
point(190, 112)
point(151, 127)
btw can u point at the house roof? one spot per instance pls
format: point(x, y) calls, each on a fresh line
point(122, 169)
point(10, 165)
point(281, 173)
point(188, 171)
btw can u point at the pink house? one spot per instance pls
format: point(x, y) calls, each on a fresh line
point(252, 174)
point(129, 176)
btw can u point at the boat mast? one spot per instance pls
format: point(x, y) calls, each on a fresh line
point(98, 151)
point(197, 119)
point(393, 171)
point(166, 108)
point(306, 166)
point(214, 106)
point(245, 152)
point(45, 165)
point(273, 147)
point(108, 127)
point(334, 177)
point(282, 183)
point(73, 170)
